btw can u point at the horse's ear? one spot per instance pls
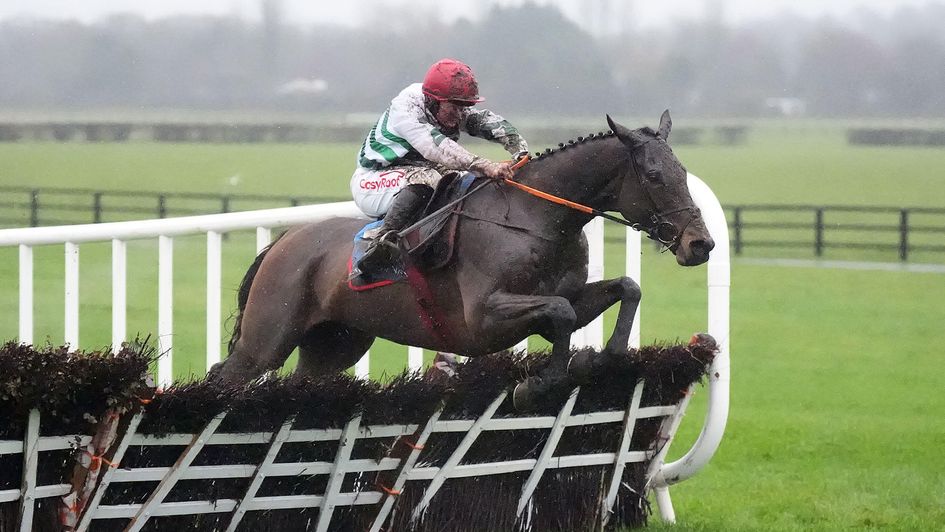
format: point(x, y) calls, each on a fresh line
point(622, 133)
point(666, 124)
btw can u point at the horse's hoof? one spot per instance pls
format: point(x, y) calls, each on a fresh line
point(705, 340)
point(215, 373)
point(523, 397)
point(527, 393)
point(580, 365)
point(444, 368)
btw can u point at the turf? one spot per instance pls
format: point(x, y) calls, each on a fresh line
point(835, 414)
point(836, 403)
point(807, 163)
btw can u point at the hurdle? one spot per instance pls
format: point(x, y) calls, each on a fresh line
point(441, 457)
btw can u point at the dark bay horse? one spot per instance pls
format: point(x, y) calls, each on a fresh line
point(520, 266)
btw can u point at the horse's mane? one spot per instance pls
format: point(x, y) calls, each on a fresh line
point(570, 143)
point(646, 130)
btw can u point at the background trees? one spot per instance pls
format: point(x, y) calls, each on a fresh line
point(533, 60)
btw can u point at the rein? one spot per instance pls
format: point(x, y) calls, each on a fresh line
point(653, 231)
point(561, 201)
point(426, 219)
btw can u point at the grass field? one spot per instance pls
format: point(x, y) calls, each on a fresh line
point(836, 417)
point(806, 163)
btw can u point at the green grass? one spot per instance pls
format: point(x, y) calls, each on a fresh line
point(811, 164)
point(815, 165)
point(835, 419)
point(836, 404)
point(803, 163)
point(262, 168)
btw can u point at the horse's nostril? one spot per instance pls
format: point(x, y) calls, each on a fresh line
point(702, 248)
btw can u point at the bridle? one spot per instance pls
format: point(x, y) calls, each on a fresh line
point(659, 228)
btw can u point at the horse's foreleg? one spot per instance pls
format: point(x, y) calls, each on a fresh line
point(597, 297)
point(519, 316)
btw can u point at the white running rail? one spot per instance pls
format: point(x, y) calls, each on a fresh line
point(213, 226)
point(662, 475)
point(164, 230)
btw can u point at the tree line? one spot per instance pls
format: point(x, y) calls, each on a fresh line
point(531, 61)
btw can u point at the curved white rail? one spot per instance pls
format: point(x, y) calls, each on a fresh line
point(719, 281)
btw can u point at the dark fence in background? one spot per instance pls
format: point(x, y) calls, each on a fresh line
point(295, 133)
point(896, 136)
point(902, 231)
point(178, 132)
point(726, 135)
point(897, 231)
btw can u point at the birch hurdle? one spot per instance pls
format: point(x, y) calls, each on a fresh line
point(428, 474)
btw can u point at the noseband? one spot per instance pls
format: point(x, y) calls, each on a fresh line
point(659, 227)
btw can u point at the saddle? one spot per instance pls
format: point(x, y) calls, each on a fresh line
point(431, 245)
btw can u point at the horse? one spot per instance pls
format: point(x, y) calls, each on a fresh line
point(519, 267)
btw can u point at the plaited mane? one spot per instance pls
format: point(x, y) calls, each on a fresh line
point(563, 146)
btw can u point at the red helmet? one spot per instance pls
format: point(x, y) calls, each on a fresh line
point(449, 79)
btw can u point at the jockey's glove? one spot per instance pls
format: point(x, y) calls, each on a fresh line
point(487, 168)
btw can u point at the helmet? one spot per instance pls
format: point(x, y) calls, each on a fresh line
point(452, 80)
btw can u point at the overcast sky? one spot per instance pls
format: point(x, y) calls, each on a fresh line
point(640, 13)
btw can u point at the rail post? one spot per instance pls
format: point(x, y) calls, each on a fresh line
point(819, 232)
point(97, 208)
point(162, 206)
point(34, 208)
point(719, 281)
point(738, 230)
point(904, 235)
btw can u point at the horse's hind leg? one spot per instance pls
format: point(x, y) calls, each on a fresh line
point(331, 348)
point(254, 355)
point(270, 329)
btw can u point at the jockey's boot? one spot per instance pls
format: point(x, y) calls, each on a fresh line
point(385, 247)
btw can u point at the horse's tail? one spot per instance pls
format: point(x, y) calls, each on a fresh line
point(242, 295)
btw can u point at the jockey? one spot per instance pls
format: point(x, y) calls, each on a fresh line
point(414, 143)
